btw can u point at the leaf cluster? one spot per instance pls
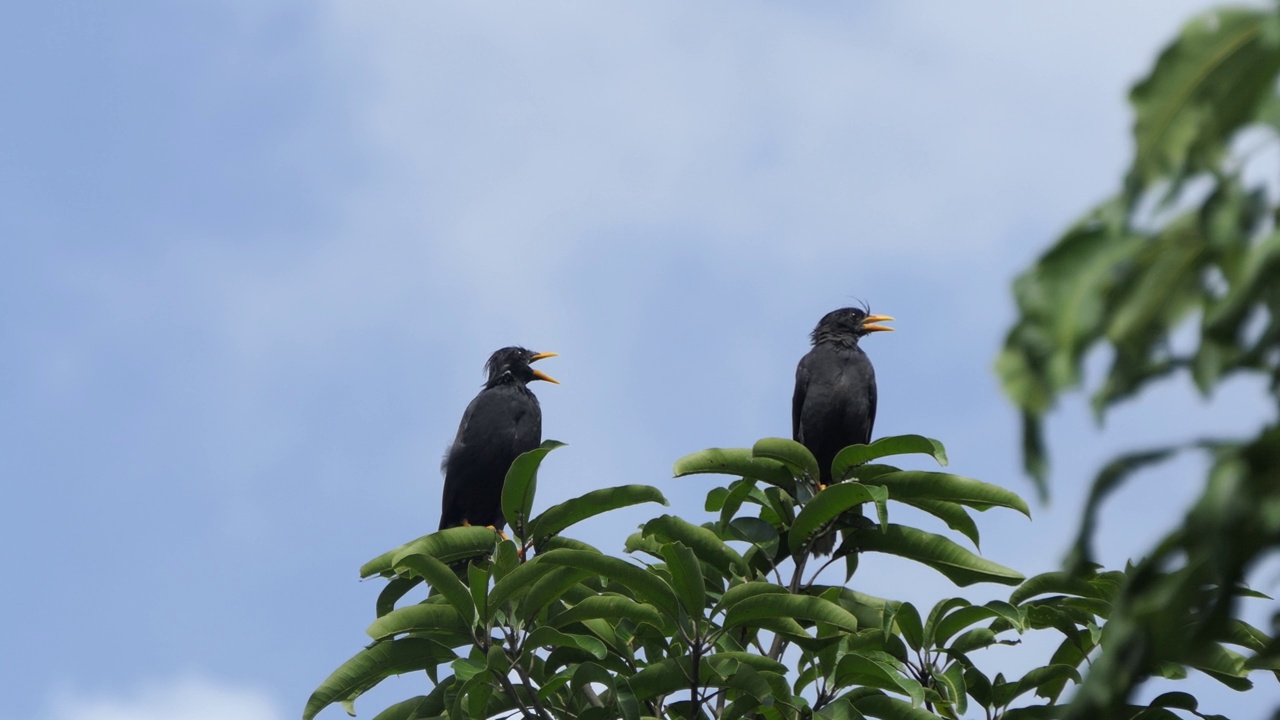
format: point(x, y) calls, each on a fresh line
point(1188, 250)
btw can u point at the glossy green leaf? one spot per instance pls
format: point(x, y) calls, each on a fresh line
point(790, 453)
point(703, 542)
point(742, 591)
point(826, 506)
point(889, 708)
point(613, 607)
point(953, 514)
point(951, 488)
point(547, 636)
point(959, 565)
point(801, 607)
point(667, 676)
point(447, 546)
point(441, 578)
point(521, 485)
point(854, 455)
point(423, 617)
point(557, 518)
point(686, 577)
point(370, 667)
point(907, 619)
point(415, 708)
point(734, 461)
point(646, 586)
point(396, 588)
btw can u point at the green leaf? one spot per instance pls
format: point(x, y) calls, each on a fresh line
point(854, 455)
point(940, 611)
point(1055, 582)
point(826, 506)
point(397, 588)
point(370, 667)
point(974, 639)
point(551, 585)
point(735, 461)
point(1107, 481)
point(412, 709)
point(557, 518)
point(611, 607)
point(703, 542)
point(742, 591)
point(907, 618)
point(790, 453)
point(953, 680)
point(686, 577)
point(953, 514)
point(879, 670)
point(959, 565)
point(520, 486)
point(450, 545)
point(667, 676)
point(547, 636)
point(888, 708)
point(423, 617)
point(951, 488)
point(645, 585)
point(439, 576)
point(802, 607)
point(1210, 81)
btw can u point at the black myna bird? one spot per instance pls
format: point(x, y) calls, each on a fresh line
point(834, 405)
point(502, 422)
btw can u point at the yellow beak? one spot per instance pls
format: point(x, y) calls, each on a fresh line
point(869, 323)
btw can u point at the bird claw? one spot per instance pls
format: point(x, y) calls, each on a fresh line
point(821, 487)
point(500, 533)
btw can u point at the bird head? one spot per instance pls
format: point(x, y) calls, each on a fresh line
point(848, 324)
point(515, 362)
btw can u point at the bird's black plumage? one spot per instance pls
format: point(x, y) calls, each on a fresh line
point(834, 404)
point(502, 422)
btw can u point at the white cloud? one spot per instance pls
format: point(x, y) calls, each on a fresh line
point(188, 698)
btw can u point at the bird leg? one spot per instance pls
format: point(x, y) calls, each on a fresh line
point(500, 533)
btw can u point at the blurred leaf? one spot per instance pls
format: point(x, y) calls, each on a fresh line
point(521, 485)
point(790, 453)
point(557, 518)
point(854, 455)
point(735, 461)
point(1206, 84)
point(959, 565)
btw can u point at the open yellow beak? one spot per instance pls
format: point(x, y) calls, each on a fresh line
point(869, 323)
point(538, 373)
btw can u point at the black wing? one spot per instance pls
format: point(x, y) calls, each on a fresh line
point(797, 398)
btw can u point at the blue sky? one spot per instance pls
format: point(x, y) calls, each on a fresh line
point(257, 254)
